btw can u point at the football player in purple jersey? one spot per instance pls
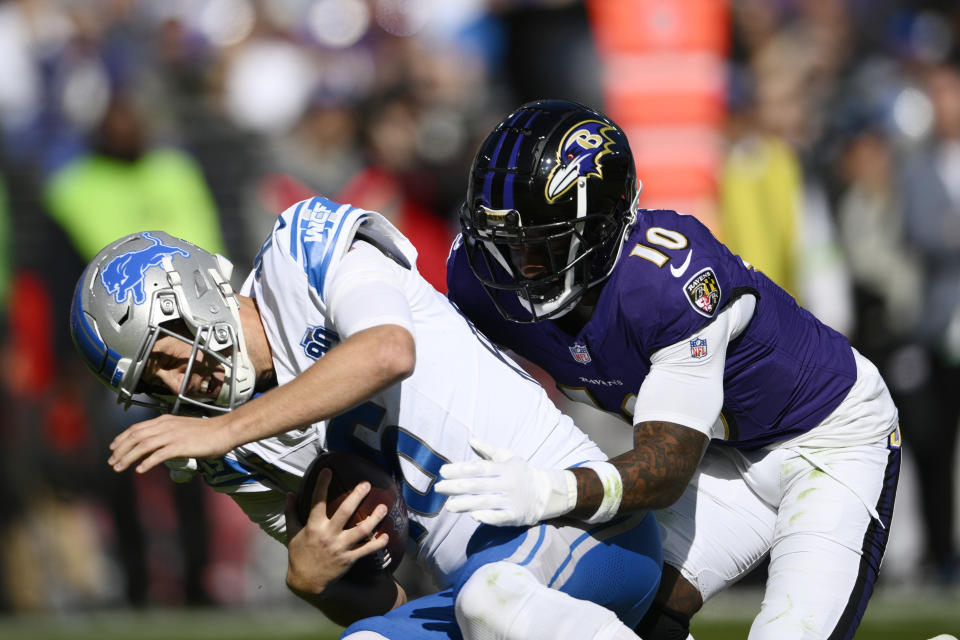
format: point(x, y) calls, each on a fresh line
point(758, 431)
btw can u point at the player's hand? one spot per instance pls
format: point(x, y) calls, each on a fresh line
point(169, 437)
point(321, 550)
point(504, 489)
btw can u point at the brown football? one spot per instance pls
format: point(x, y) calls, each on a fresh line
point(349, 469)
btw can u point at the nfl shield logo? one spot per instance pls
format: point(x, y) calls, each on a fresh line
point(580, 353)
point(698, 348)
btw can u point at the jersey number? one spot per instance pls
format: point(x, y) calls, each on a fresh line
point(662, 238)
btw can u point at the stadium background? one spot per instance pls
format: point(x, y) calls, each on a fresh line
point(786, 125)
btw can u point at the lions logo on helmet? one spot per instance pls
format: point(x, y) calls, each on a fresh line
point(124, 274)
point(578, 154)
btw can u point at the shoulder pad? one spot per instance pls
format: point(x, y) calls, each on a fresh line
point(321, 232)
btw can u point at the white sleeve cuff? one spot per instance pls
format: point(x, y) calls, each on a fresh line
point(367, 291)
point(685, 383)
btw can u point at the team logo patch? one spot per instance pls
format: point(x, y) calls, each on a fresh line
point(703, 292)
point(698, 348)
point(124, 274)
point(580, 353)
point(579, 154)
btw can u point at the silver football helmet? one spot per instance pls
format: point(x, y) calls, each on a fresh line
point(148, 285)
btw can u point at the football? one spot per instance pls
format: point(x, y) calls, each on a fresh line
point(349, 469)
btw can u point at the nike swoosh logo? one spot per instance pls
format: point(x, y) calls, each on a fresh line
point(679, 271)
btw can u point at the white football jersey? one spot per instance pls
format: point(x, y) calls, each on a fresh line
point(462, 386)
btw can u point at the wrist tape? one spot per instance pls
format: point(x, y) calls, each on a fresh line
point(562, 494)
point(612, 490)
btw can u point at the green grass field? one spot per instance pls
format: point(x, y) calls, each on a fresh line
point(890, 617)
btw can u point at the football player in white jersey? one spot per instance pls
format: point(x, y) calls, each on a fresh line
point(353, 350)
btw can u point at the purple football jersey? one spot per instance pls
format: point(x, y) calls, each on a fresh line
point(783, 375)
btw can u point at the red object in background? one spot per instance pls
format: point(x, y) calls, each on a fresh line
point(30, 370)
point(67, 424)
point(381, 191)
point(278, 191)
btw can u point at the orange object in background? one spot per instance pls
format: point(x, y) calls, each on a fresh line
point(659, 25)
point(665, 84)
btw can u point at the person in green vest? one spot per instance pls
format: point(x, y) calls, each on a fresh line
point(124, 185)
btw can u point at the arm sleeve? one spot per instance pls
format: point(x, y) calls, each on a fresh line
point(368, 290)
point(685, 385)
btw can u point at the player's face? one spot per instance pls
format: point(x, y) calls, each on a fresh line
point(540, 258)
point(167, 366)
point(530, 262)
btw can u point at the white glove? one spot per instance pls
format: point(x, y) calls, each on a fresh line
point(504, 489)
point(182, 469)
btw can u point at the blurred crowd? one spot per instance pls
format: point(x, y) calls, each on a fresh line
point(840, 179)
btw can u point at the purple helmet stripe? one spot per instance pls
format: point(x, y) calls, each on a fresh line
point(512, 164)
point(488, 179)
point(526, 125)
point(514, 118)
point(508, 191)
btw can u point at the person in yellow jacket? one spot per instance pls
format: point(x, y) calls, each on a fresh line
point(761, 191)
point(123, 186)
